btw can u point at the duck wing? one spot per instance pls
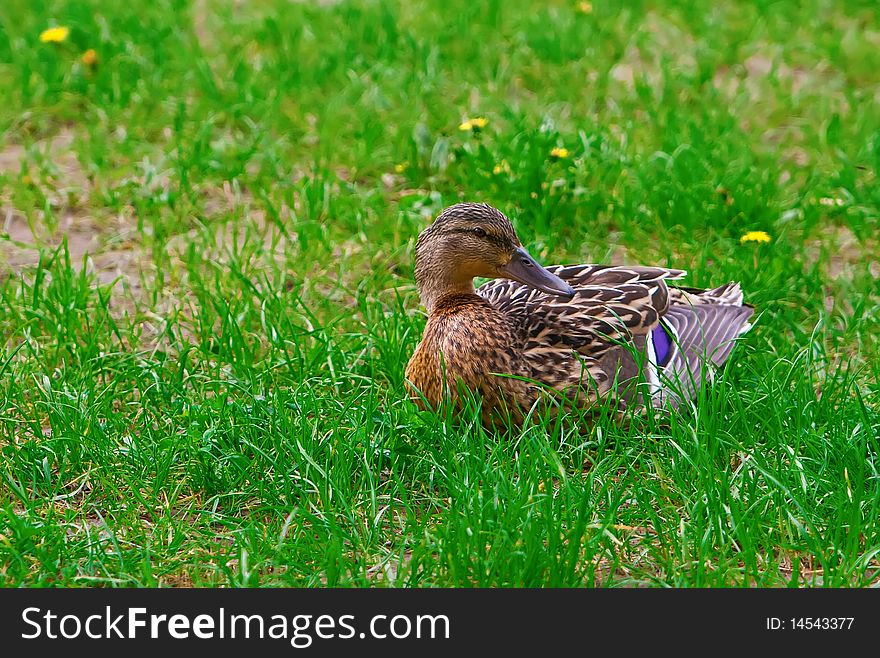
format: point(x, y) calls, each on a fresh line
point(701, 328)
point(583, 347)
point(685, 333)
point(611, 303)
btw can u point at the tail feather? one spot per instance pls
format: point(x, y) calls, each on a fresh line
point(730, 294)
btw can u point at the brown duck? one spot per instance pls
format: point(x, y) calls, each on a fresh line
point(568, 335)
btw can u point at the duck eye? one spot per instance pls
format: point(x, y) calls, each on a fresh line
point(480, 232)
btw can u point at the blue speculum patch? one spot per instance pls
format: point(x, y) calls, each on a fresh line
point(662, 344)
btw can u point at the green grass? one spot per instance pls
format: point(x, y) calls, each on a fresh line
point(208, 304)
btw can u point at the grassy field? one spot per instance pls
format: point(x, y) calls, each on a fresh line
point(207, 230)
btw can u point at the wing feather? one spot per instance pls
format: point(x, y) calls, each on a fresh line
point(611, 303)
point(703, 337)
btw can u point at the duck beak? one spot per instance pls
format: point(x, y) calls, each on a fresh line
point(525, 269)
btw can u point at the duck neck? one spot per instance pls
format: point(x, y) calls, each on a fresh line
point(434, 284)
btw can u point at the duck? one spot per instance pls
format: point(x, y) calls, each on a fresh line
point(557, 337)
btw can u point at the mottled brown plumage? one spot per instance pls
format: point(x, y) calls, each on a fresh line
point(567, 335)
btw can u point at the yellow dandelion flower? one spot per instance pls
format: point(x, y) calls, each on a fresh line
point(755, 236)
point(502, 167)
point(474, 125)
point(585, 7)
point(402, 167)
point(54, 34)
point(559, 153)
point(89, 57)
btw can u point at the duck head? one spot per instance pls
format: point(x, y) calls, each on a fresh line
point(468, 240)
